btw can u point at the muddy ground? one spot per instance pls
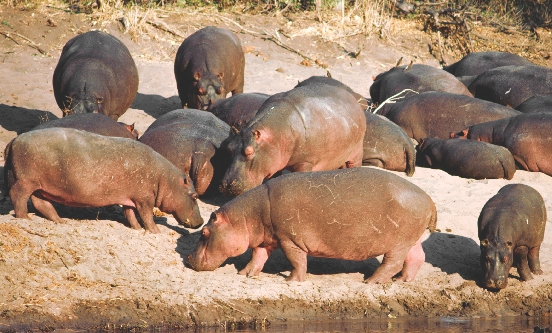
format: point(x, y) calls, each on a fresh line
point(94, 270)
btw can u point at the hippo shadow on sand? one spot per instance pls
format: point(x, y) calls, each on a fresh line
point(20, 120)
point(156, 105)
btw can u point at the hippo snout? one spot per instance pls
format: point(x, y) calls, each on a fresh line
point(496, 284)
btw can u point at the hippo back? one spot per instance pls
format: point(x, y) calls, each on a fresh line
point(476, 63)
point(238, 110)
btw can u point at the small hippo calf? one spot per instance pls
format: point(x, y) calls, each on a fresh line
point(351, 214)
point(82, 169)
point(467, 158)
point(511, 229)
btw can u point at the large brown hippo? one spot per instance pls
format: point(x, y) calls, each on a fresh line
point(333, 82)
point(476, 63)
point(238, 110)
point(95, 73)
point(93, 122)
point(387, 146)
point(537, 103)
point(351, 214)
point(511, 229)
point(436, 114)
point(466, 158)
point(527, 137)
point(310, 128)
point(191, 139)
point(512, 85)
point(81, 169)
point(416, 77)
point(209, 64)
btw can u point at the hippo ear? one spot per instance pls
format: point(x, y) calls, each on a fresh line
point(409, 66)
point(205, 232)
point(196, 76)
point(257, 134)
point(248, 151)
point(465, 132)
point(220, 75)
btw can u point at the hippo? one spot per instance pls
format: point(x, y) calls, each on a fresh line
point(466, 158)
point(527, 137)
point(387, 146)
point(436, 114)
point(512, 85)
point(511, 229)
point(351, 214)
point(476, 63)
point(537, 103)
point(193, 141)
point(238, 110)
point(81, 169)
point(419, 78)
point(310, 128)
point(209, 64)
point(95, 74)
point(328, 80)
point(93, 122)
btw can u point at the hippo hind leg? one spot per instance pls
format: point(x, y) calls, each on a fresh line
point(415, 258)
point(520, 259)
point(373, 162)
point(355, 159)
point(298, 259)
point(45, 207)
point(534, 262)
point(19, 195)
point(392, 264)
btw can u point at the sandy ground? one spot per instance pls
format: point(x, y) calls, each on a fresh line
point(93, 269)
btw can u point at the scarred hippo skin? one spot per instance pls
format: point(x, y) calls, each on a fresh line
point(311, 128)
point(333, 82)
point(351, 214)
point(209, 64)
point(467, 158)
point(512, 85)
point(387, 146)
point(81, 169)
point(93, 122)
point(511, 229)
point(526, 136)
point(538, 103)
point(436, 114)
point(191, 139)
point(238, 110)
point(95, 74)
point(417, 77)
point(476, 63)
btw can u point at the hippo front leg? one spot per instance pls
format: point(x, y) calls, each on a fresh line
point(258, 259)
point(534, 262)
point(298, 259)
point(520, 259)
point(45, 208)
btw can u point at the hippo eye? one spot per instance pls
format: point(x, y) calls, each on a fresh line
point(484, 242)
point(220, 90)
point(194, 196)
point(509, 244)
point(99, 100)
point(68, 99)
point(504, 260)
point(205, 233)
point(201, 91)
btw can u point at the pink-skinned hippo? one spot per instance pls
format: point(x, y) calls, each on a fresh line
point(512, 85)
point(328, 80)
point(310, 128)
point(511, 230)
point(238, 110)
point(419, 78)
point(351, 214)
point(466, 158)
point(436, 114)
point(476, 63)
point(387, 146)
point(527, 137)
point(191, 139)
point(209, 64)
point(81, 169)
point(95, 74)
point(93, 122)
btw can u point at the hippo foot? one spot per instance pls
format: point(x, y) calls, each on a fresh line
point(376, 280)
point(23, 216)
point(537, 271)
point(295, 278)
point(525, 275)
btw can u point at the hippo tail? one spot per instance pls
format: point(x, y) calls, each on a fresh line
point(432, 225)
point(410, 156)
point(8, 172)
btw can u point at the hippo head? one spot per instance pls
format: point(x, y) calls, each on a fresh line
point(83, 95)
point(219, 241)
point(256, 157)
point(421, 157)
point(182, 203)
point(206, 89)
point(496, 261)
point(463, 134)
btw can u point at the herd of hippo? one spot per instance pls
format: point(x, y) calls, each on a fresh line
point(482, 117)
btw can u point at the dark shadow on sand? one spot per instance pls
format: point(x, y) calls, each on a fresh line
point(156, 105)
point(20, 120)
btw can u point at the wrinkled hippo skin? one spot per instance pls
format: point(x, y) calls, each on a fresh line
point(387, 146)
point(419, 78)
point(351, 214)
point(311, 128)
point(436, 114)
point(238, 110)
point(94, 123)
point(467, 158)
point(476, 63)
point(191, 139)
point(511, 229)
point(526, 136)
point(95, 74)
point(538, 103)
point(82, 169)
point(512, 85)
point(333, 82)
point(209, 64)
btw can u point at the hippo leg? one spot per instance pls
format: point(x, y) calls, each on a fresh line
point(131, 217)
point(355, 160)
point(146, 213)
point(19, 196)
point(373, 162)
point(298, 259)
point(520, 258)
point(534, 262)
point(258, 259)
point(392, 264)
point(45, 208)
point(415, 258)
